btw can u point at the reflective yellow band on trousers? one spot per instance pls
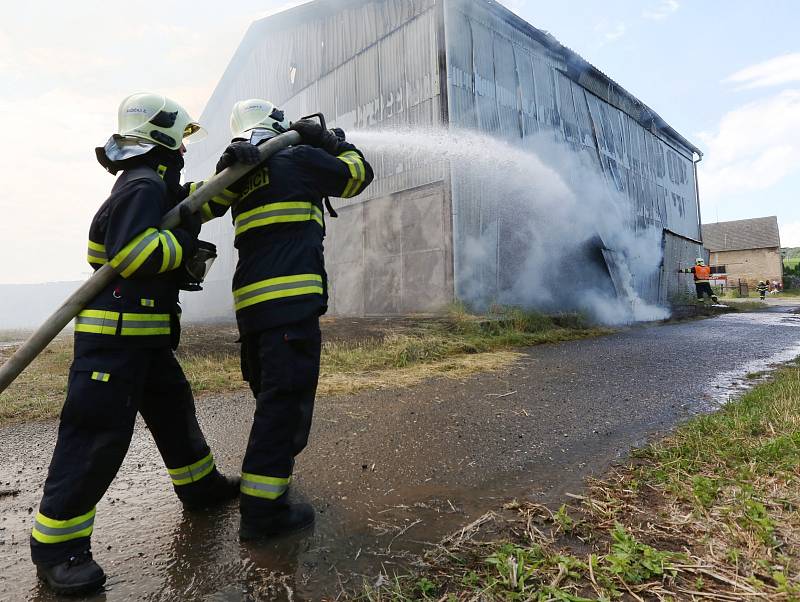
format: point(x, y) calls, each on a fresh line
point(144, 324)
point(277, 288)
point(101, 376)
point(270, 488)
point(97, 321)
point(194, 472)
point(97, 253)
point(50, 530)
point(358, 173)
point(277, 213)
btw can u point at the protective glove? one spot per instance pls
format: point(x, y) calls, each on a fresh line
point(190, 222)
point(309, 129)
point(311, 133)
point(239, 152)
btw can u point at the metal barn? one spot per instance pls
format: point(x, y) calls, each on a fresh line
point(399, 247)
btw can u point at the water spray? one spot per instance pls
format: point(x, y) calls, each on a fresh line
point(557, 236)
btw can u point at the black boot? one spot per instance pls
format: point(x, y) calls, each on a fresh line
point(285, 519)
point(211, 491)
point(78, 575)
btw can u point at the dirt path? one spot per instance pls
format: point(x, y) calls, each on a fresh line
point(390, 470)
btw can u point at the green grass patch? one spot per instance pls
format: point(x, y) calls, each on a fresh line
point(745, 305)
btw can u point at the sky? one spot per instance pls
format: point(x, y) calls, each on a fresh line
point(724, 73)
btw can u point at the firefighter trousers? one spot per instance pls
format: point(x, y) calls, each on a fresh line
point(282, 366)
point(703, 288)
point(106, 389)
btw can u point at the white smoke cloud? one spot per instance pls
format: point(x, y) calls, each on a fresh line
point(545, 214)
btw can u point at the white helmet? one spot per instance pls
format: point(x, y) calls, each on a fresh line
point(157, 119)
point(257, 114)
point(699, 261)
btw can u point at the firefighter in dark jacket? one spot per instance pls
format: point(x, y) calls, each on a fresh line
point(280, 289)
point(123, 362)
point(702, 274)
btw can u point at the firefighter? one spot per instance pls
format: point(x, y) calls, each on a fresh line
point(280, 289)
point(762, 289)
point(124, 340)
point(702, 273)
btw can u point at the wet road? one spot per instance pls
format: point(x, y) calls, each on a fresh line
point(392, 469)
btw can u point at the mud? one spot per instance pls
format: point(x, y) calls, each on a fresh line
point(391, 471)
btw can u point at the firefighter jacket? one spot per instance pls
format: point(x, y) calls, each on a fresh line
point(279, 226)
point(139, 308)
point(701, 273)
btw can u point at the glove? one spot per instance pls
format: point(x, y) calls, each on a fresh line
point(239, 152)
point(310, 131)
point(190, 222)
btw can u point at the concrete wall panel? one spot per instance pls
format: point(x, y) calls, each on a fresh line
point(422, 222)
point(424, 282)
point(391, 255)
point(383, 281)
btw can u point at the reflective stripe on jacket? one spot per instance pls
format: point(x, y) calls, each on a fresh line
point(279, 227)
point(139, 307)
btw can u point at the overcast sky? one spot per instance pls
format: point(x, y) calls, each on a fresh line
point(725, 73)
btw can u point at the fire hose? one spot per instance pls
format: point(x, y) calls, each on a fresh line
point(36, 343)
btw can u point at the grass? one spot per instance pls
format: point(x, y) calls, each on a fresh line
point(710, 513)
point(454, 346)
point(742, 305)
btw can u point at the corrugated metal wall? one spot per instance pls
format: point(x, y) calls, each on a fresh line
point(378, 63)
point(504, 82)
point(678, 251)
point(364, 65)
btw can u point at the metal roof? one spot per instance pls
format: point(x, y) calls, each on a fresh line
point(591, 78)
point(578, 69)
point(755, 233)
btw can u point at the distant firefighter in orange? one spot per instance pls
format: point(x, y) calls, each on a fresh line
point(702, 274)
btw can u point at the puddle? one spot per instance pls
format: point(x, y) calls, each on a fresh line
point(733, 383)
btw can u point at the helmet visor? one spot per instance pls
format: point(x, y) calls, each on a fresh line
point(194, 132)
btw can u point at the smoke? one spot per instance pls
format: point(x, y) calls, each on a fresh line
point(536, 225)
